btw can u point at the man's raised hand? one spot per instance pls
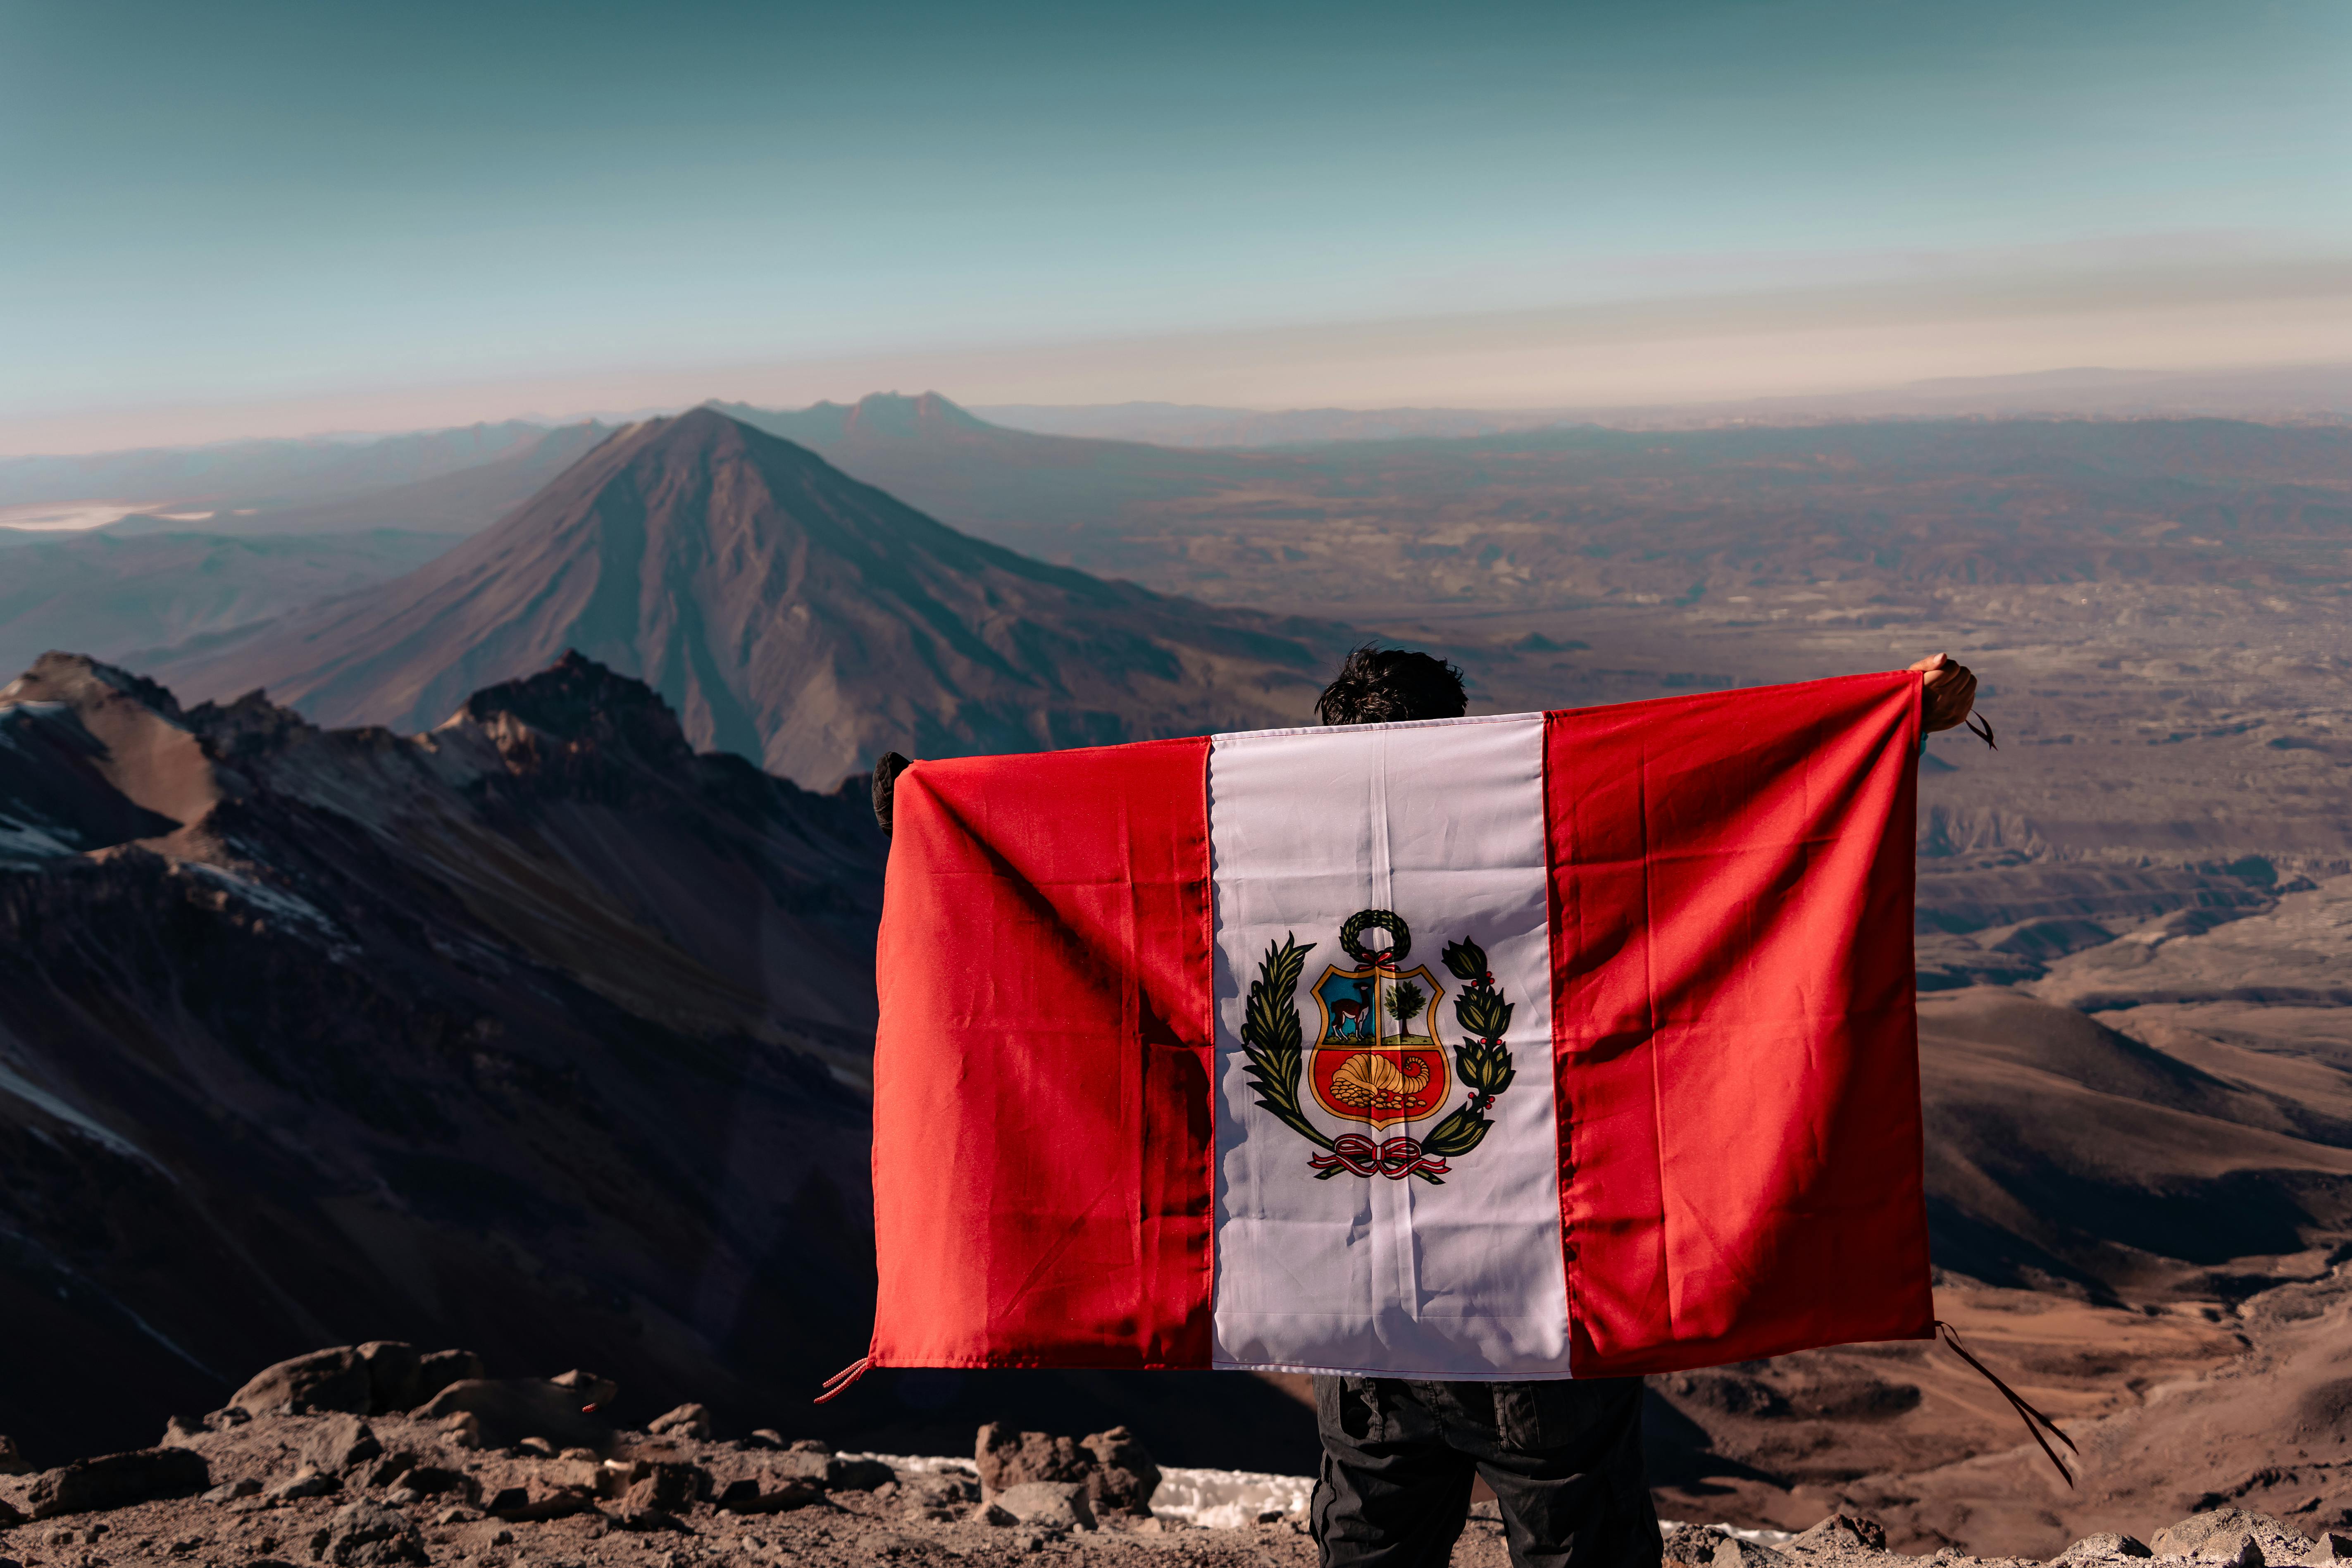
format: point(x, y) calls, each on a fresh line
point(1950, 695)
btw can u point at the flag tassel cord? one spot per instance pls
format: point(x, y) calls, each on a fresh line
point(2034, 1420)
point(838, 1384)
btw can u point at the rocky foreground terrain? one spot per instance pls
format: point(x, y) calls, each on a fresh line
point(379, 1454)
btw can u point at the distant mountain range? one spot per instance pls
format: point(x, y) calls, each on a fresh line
point(263, 473)
point(789, 612)
point(2321, 393)
point(117, 591)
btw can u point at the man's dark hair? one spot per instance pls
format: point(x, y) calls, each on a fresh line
point(1384, 685)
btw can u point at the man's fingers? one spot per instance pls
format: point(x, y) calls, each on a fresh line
point(1950, 695)
point(1934, 661)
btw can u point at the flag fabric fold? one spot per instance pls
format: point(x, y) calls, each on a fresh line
point(1569, 1044)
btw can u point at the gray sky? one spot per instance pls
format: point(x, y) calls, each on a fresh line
point(264, 218)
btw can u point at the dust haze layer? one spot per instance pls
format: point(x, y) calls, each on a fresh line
point(789, 612)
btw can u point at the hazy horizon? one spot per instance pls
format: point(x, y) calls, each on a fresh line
point(280, 220)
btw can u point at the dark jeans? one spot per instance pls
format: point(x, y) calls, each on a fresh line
point(1564, 1459)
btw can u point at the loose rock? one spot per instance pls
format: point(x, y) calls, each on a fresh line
point(1124, 1476)
point(116, 1480)
point(1055, 1505)
point(2106, 1544)
point(13, 1463)
point(2331, 1547)
point(1846, 1532)
point(306, 1482)
point(1007, 1459)
point(365, 1533)
point(687, 1420)
point(337, 1442)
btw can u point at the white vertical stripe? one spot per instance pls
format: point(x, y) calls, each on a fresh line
point(1441, 823)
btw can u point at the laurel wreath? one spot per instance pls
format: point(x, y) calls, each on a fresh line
point(1270, 1034)
point(1272, 1044)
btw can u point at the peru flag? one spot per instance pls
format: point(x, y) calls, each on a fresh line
point(1569, 1044)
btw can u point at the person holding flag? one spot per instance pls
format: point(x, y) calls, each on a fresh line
point(1147, 1094)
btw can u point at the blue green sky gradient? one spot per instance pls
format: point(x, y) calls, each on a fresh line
point(319, 212)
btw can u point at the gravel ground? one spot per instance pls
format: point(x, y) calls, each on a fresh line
point(401, 1490)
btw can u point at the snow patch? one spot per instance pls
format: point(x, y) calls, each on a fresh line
point(1237, 1500)
point(272, 901)
point(1230, 1499)
point(22, 841)
point(115, 1142)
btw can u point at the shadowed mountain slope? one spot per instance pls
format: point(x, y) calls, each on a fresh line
point(540, 1032)
point(787, 611)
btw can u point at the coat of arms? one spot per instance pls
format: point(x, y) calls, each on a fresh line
point(1378, 1058)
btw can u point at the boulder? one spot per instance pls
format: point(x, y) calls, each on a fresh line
point(438, 1368)
point(332, 1379)
point(818, 1465)
point(506, 1410)
point(685, 1421)
point(391, 1368)
point(2100, 1547)
point(1691, 1546)
point(857, 1475)
point(13, 1463)
point(463, 1430)
point(179, 1431)
point(308, 1481)
point(1846, 1532)
point(766, 1495)
point(939, 1496)
point(367, 1532)
point(806, 1460)
point(1735, 1553)
point(537, 1499)
point(2331, 1547)
point(667, 1488)
point(116, 1480)
point(2230, 1534)
point(335, 1443)
point(435, 1480)
point(1123, 1478)
point(391, 1468)
point(1055, 1505)
point(1007, 1459)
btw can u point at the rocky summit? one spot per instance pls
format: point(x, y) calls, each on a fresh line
point(386, 1454)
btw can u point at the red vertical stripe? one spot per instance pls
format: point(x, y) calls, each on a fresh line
point(1734, 1043)
point(1042, 1138)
